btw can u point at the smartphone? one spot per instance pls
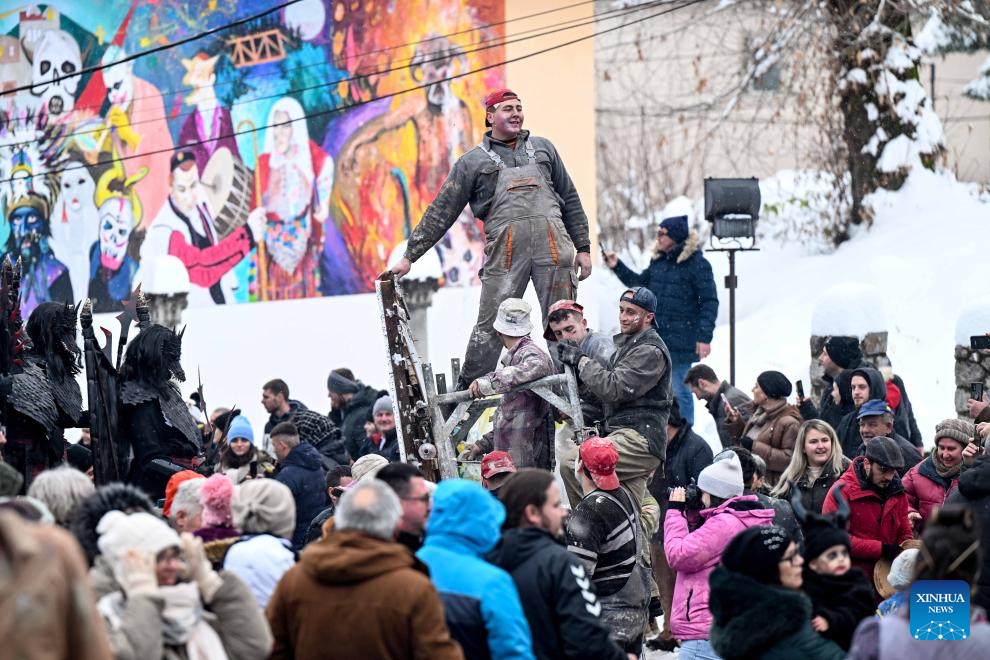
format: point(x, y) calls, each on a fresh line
point(253, 469)
point(976, 391)
point(979, 342)
point(726, 401)
point(800, 388)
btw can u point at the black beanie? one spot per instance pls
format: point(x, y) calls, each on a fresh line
point(756, 553)
point(342, 384)
point(844, 351)
point(774, 384)
point(820, 535)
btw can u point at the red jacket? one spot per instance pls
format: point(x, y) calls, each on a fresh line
point(871, 523)
point(925, 489)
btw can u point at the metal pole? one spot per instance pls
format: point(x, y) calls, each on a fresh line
point(730, 284)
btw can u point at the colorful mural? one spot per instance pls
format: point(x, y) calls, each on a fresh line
point(276, 159)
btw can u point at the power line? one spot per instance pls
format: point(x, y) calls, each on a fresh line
point(156, 49)
point(335, 61)
point(438, 58)
point(328, 111)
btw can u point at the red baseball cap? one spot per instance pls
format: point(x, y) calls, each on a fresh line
point(600, 457)
point(496, 97)
point(569, 305)
point(496, 462)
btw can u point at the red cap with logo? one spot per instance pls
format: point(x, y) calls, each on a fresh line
point(496, 462)
point(600, 457)
point(570, 306)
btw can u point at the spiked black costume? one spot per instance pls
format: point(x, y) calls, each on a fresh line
point(153, 414)
point(40, 395)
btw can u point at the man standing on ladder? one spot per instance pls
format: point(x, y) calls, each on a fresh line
point(535, 227)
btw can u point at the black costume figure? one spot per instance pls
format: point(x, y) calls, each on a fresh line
point(153, 414)
point(40, 395)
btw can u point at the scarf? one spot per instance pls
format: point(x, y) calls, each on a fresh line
point(949, 473)
point(183, 620)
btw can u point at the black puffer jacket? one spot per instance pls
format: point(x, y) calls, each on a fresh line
point(557, 597)
point(350, 420)
point(828, 410)
point(848, 429)
point(974, 491)
point(842, 600)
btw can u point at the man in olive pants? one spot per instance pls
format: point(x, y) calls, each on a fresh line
point(535, 227)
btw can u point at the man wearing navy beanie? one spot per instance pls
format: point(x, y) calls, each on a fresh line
point(687, 300)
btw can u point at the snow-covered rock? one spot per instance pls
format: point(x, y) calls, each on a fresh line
point(850, 309)
point(973, 320)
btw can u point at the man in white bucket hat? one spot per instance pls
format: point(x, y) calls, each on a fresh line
point(523, 425)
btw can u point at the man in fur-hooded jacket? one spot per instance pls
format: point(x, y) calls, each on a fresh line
point(687, 300)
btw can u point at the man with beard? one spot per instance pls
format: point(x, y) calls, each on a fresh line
point(153, 414)
point(866, 384)
point(42, 398)
point(556, 592)
point(878, 505)
point(44, 277)
point(635, 391)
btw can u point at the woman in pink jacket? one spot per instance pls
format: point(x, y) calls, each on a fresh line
point(929, 483)
point(694, 554)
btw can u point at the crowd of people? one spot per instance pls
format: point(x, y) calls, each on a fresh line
point(799, 537)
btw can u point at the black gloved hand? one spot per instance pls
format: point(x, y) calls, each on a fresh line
point(569, 353)
point(890, 551)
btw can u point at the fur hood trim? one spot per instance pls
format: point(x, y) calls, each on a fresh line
point(690, 245)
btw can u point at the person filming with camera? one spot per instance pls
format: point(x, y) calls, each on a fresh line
point(724, 512)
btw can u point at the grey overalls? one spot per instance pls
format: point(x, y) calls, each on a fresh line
point(525, 240)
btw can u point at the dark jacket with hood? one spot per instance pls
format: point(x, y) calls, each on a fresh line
point(974, 491)
point(828, 410)
point(687, 300)
point(848, 428)
point(559, 603)
point(480, 600)
point(351, 418)
point(400, 614)
point(904, 421)
point(302, 471)
point(755, 621)
point(842, 600)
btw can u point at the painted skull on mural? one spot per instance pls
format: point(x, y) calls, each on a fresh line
point(118, 79)
point(55, 58)
point(116, 223)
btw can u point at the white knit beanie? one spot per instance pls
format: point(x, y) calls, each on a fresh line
point(902, 570)
point(119, 532)
point(723, 478)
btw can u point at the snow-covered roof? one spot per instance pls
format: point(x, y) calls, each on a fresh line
point(973, 320)
point(850, 309)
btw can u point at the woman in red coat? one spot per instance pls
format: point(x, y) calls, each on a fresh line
point(929, 483)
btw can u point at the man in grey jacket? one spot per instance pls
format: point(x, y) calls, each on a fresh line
point(635, 391)
point(706, 386)
point(535, 226)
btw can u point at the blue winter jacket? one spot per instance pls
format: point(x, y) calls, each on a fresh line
point(480, 601)
point(687, 301)
point(302, 472)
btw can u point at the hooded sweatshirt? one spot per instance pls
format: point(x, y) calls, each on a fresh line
point(848, 429)
point(400, 615)
point(481, 603)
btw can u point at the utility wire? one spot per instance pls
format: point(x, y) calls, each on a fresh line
point(334, 61)
point(156, 49)
point(290, 91)
point(329, 111)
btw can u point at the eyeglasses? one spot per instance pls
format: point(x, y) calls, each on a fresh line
point(793, 560)
point(425, 499)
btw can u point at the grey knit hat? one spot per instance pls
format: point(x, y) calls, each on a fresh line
point(264, 506)
point(383, 404)
point(723, 478)
point(955, 429)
